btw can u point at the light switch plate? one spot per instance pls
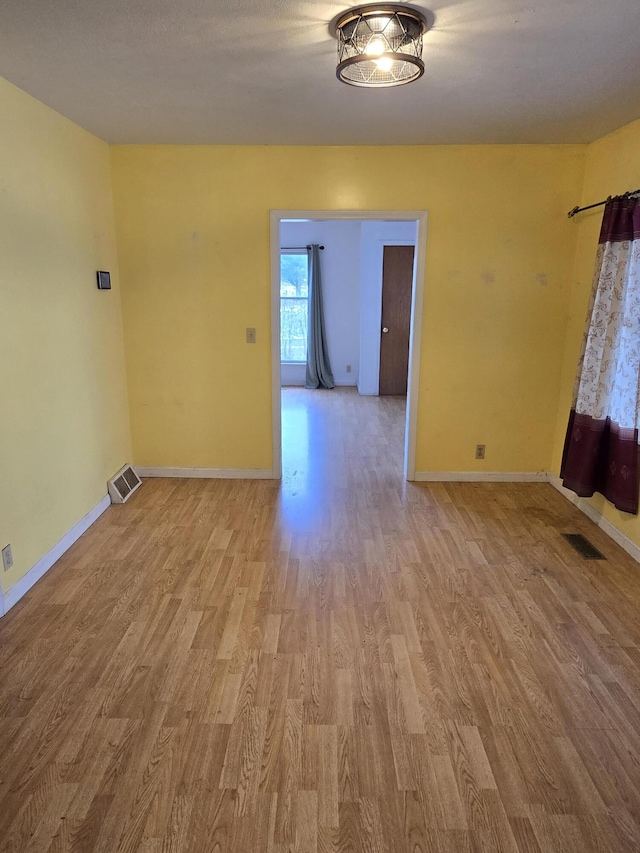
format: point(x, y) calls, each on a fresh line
point(251, 336)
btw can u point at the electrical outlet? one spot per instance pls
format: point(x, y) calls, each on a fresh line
point(7, 557)
point(479, 451)
point(348, 368)
point(251, 336)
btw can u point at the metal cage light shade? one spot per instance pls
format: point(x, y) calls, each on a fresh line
point(380, 46)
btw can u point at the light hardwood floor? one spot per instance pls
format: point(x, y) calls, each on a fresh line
point(341, 662)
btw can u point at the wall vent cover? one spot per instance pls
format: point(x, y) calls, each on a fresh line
point(123, 485)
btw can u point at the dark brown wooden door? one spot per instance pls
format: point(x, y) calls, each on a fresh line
point(397, 278)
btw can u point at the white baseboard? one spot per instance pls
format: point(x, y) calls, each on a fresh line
point(591, 512)
point(14, 593)
point(339, 383)
point(482, 477)
point(208, 473)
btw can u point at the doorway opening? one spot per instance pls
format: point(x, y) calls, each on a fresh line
point(381, 361)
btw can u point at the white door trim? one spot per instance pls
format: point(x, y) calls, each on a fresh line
point(415, 337)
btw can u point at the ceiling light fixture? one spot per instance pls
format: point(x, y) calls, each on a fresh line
point(380, 45)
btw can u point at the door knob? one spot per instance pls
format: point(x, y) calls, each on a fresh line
point(385, 330)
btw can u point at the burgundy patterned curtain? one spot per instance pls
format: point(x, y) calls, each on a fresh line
point(601, 447)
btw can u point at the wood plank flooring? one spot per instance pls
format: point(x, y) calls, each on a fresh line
point(341, 662)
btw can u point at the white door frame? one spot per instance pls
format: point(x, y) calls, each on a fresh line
point(415, 336)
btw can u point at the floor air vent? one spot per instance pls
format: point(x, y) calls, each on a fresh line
point(123, 485)
point(583, 546)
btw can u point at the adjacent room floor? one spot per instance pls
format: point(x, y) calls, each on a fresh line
point(339, 662)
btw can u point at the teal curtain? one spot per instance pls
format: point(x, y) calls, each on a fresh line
point(319, 373)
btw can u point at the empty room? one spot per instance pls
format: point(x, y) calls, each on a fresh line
point(319, 411)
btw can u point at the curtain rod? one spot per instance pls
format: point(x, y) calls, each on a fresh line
point(297, 248)
point(575, 210)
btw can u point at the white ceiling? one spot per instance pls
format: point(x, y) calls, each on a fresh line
point(250, 71)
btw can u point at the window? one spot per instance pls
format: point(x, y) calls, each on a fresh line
point(294, 302)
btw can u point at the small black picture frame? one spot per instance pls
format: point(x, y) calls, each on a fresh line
point(104, 280)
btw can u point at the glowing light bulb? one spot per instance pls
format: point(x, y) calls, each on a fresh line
point(375, 47)
point(384, 64)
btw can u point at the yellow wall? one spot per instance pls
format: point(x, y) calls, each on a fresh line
point(507, 283)
point(612, 167)
point(63, 407)
point(193, 240)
